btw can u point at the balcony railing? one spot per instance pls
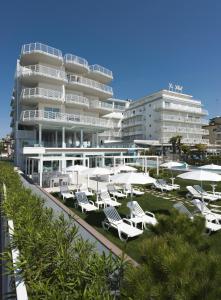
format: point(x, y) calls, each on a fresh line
point(76, 99)
point(101, 104)
point(184, 130)
point(70, 58)
point(181, 119)
point(41, 48)
point(119, 107)
point(90, 83)
point(39, 115)
point(102, 70)
point(44, 71)
point(42, 93)
point(182, 108)
point(131, 133)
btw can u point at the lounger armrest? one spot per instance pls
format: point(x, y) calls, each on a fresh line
point(91, 202)
point(114, 199)
point(148, 213)
point(129, 222)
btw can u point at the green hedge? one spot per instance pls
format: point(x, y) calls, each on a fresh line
point(55, 262)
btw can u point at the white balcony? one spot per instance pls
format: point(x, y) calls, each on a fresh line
point(132, 133)
point(35, 73)
point(180, 130)
point(75, 63)
point(100, 73)
point(40, 95)
point(90, 86)
point(73, 121)
point(132, 124)
point(181, 108)
point(101, 106)
point(181, 119)
point(76, 100)
point(35, 53)
point(191, 141)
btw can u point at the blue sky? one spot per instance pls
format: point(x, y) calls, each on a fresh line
point(146, 43)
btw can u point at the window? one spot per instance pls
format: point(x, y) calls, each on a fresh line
point(149, 116)
point(150, 105)
point(50, 112)
point(150, 125)
point(51, 109)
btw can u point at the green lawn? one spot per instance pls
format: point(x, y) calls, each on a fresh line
point(156, 202)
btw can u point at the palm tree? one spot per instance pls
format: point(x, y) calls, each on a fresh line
point(186, 150)
point(201, 149)
point(176, 143)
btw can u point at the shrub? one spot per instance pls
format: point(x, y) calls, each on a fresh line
point(54, 260)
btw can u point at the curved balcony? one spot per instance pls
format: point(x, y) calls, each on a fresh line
point(90, 86)
point(35, 73)
point(181, 108)
point(34, 53)
point(100, 73)
point(76, 100)
point(75, 63)
point(76, 121)
point(96, 105)
point(36, 95)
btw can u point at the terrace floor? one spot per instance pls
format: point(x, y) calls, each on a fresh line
point(154, 201)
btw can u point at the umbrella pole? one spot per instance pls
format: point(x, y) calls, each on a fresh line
point(97, 187)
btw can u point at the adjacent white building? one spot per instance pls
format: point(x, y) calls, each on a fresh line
point(61, 102)
point(162, 115)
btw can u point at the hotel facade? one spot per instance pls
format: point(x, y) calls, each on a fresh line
point(162, 115)
point(63, 110)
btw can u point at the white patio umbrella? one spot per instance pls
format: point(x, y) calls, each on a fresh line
point(124, 168)
point(201, 175)
point(78, 169)
point(132, 178)
point(170, 165)
point(96, 172)
point(210, 167)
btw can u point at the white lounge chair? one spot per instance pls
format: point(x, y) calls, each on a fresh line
point(66, 193)
point(84, 203)
point(163, 188)
point(129, 189)
point(194, 194)
point(85, 189)
point(164, 183)
point(211, 222)
point(108, 200)
point(114, 192)
point(200, 190)
point(201, 206)
point(146, 217)
point(124, 226)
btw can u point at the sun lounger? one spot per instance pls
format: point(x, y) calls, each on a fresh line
point(174, 186)
point(114, 192)
point(124, 226)
point(65, 193)
point(108, 200)
point(84, 203)
point(159, 186)
point(200, 190)
point(129, 189)
point(146, 217)
point(194, 194)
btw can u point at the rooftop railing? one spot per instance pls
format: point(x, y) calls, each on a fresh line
point(90, 83)
point(39, 115)
point(76, 99)
point(44, 71)
point(39, 47)
point(70, 58)
point(100, 69)
point(41, 92)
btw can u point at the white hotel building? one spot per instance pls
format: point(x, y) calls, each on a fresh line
point(158, 117)
point(63, 109)
point(62, 105)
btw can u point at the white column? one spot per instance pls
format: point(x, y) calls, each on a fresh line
point(63, 164)
point(40, 134)
point(157, 166)
point(40, 169)
point(63, 138)
point(32, 167)
point(97, 143)
point(81, 138)
point(75, 138)
point(56, 138)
